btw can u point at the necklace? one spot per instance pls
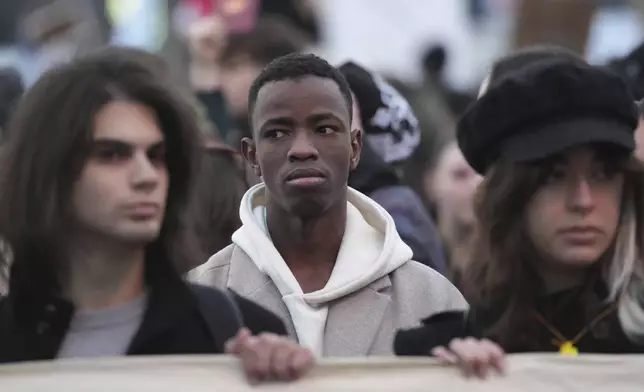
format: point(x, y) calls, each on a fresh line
point(567, 346)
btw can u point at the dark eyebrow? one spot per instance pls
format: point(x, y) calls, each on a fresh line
point(279, 121)
point(315, 118)
point(157, 145)
point(107, 142)
point(609, 155)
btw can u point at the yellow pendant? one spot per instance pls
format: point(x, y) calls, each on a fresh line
point(568, 348)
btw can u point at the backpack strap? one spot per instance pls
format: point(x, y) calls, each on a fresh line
point(220, 311)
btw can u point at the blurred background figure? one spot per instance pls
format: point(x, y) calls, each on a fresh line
point(391, 135)
point(639, 133)
point(631, 68)
point(246, 54)
point(215, 205)
point(471, 33)
point(11, 89)
point(54, 31)
point(449, 184)
point(228, 50)
point(224, 63)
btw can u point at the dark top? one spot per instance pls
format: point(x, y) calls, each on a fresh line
point(567, 311)
point(215, 105)
point(179, 319)
point(414, 224)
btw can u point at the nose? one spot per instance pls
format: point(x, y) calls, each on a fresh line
point(302, 148)
point(581, 197)
point(144, 175)
point(474, 181)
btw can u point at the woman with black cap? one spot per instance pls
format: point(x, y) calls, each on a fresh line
point(558, 265)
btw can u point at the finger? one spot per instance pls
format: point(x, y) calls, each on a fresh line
point(496, 355)
point(480, 361)
point(244, 333)
point(488, 356)
point(469, 356)
point(479, 357)
point(444, 356)
point(302, 361)
point(458, 348)
point(281, 361)
point(233, 345)
point(259, 363)
point(248, 354)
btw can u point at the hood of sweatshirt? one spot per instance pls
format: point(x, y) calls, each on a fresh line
point(371, 249)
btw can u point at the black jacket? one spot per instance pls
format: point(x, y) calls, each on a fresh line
point(568, 311)
point(179, 319)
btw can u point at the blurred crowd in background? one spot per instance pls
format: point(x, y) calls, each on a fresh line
point(433, 52)
point(393, 38)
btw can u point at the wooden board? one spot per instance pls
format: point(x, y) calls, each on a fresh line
point(529, 372)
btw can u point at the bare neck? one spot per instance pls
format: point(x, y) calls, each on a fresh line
point(309, 246)
point(100, 276)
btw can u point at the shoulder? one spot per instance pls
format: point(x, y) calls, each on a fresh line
point(428, 279)
point(397, 197)
point(223, 307)
point(424, 286)
point(209, 273)
point(431, 301)
point(258, 319)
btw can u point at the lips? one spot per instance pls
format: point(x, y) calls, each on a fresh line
point(143, 210)
point(581, 234)
point(305, 177)
point(581, 229)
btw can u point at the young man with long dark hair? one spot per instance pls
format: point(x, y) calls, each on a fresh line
point(95, 179)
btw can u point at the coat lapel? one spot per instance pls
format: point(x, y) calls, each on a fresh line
point(354, 321)
point(247, 280)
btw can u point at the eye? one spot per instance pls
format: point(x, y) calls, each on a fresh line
point(274, 134)
point(157, 155)
point(556, 174)
point(114, 153)
point(605, 171)
point(326, 130)
point(460, 174)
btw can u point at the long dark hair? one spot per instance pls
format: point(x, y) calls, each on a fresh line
point(500, 279)
point(47, 147)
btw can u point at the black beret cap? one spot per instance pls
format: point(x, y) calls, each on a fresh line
point(544, 109)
